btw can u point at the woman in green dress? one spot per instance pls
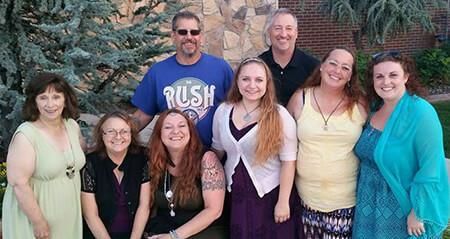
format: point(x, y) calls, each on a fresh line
point(42, 199)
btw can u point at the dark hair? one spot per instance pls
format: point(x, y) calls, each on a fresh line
point(189, 167)
point(184, 15)
point(99, 145)
point(408, 65)
point(352, 90)
point(39, 85)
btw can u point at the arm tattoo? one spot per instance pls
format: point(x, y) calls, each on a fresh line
point(213, 177)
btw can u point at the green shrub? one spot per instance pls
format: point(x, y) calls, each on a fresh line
point(433, 66)
point(3, 183)
point(86, 42)
point(362, 59)
point(447, 233)
point(446, 47)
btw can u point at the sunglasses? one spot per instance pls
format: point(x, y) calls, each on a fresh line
point(184, 32)
point(382, 54)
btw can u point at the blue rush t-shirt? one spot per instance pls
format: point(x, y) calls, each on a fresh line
point(194, 89)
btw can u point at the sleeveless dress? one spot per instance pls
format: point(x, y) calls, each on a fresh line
point(377, 211)
point(57, 195)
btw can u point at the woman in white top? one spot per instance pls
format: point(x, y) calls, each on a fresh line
point(259, 138)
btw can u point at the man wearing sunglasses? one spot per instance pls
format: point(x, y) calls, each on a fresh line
point(190, 80)
point(289, 65)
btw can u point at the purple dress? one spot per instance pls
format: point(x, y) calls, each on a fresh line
point(252, 216)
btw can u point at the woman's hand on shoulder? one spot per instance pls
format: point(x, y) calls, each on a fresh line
point(295, 104)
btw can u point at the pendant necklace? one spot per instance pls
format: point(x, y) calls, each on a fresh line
point(247, 117)
point(168, 193)
point(325, 126)
point(70, 168)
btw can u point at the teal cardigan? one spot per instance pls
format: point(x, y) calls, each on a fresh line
point(410, 156)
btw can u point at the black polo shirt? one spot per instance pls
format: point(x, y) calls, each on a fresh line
point(290, 78)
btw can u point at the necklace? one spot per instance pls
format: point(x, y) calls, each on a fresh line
point(169, 194)
point(248, 114)
point(70, 168)
point(325, 126)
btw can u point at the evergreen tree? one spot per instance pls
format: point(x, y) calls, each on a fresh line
point(81, 40)
point(379, 19)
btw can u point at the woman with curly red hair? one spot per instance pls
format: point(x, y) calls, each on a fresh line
point(187, 182)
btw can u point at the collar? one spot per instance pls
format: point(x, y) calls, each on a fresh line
point(122, 167)
point(188, 65)
point(294, 62)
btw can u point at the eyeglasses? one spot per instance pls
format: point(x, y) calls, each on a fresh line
point(114, 133)
point(344, 67)
point(184, 32)
point(382, 54)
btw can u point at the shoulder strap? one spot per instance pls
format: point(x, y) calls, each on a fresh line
point(303, 95)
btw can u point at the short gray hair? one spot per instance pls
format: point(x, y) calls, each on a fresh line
point(271, 18)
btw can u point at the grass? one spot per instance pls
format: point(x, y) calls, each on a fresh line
point(443, 109)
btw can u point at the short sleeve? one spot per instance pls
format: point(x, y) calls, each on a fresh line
point(144, 97)
point(229, 74)
point(288, 151)
point(218, 115)
point(88, 183)
point(145, 174)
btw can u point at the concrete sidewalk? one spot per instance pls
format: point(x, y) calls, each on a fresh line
point(436, 98)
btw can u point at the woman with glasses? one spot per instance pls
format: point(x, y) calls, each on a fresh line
point(330, 113)
point(187, 185)
point(403, 186)
point(258, 136)
point(42, 199)
point(115, 181)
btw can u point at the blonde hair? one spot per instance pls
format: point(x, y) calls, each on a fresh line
point(270, 133)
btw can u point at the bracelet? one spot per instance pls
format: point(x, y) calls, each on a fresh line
point(173, 234)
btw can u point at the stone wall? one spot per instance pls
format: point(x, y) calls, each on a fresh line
point(232, 29)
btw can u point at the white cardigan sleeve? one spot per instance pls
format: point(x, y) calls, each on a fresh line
point(219, 115)
point(288, 151)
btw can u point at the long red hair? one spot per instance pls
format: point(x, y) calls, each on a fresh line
point(270, 132)
point(189, 167)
